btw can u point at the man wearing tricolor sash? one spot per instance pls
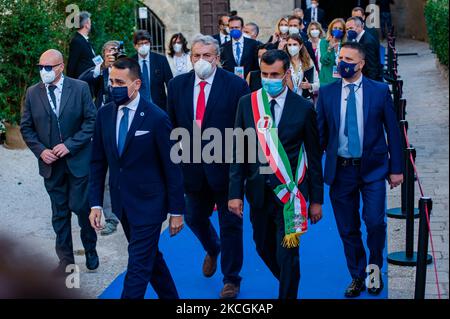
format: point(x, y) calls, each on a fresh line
point(285, 177)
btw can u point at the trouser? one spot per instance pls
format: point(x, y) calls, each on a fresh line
point(145, 263)
point(268, 234)
point(69, 194)
point(199, 208)
point(110, 217)
point(345, 195)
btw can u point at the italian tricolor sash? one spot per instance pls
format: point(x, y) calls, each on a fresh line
point(295, 210)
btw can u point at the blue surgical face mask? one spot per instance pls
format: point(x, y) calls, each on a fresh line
point(338, 34)
point(352, 35)
point(119, 94)
point(273, 87)
point(236, 34)
point(347, 70)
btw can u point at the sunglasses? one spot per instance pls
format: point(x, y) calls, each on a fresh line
point(47, 68)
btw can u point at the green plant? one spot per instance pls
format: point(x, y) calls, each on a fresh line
point(436, 16)
point(30, 27)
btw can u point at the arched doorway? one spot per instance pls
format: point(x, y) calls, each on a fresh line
point(153, 24)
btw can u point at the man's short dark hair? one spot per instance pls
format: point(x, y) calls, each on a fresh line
point(236, 18)
point(131, 64)
point(360, 10)
point(356, 46)
point(267, 46)
point(141, 35)
point(220, 21)
point(272, 56)
point(295, 18)
point(255, 26)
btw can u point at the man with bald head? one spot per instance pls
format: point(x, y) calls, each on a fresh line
point(57, 124)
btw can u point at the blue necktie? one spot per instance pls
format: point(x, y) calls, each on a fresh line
point(123, 130)
point(238, 53)
point(351, 124)
point(146, 80)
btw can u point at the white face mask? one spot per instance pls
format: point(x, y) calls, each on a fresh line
point(48, 77)
point(144, 49)
point(248, 36)
point(314, 5)
point(203, 69)
point(294, 30)
point(293, 50)
point(315, 33)
point(284, 29)
point(177, 47)
point(227, 30)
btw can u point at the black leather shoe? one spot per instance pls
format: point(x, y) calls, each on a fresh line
point(92, 260)
point(60, 270)
point(355, 288)
point(375, 291)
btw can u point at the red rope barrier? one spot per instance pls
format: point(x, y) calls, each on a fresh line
point(426, 213)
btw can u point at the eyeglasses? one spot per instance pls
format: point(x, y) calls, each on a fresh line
point(47, 68)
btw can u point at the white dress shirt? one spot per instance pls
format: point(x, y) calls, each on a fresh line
point(241, 44)
point(343, 140)
point(58, 93)
point(358, 38)
point(132, 106)
point(224, 38)
point(314, 14)
point(147, 58)
point(279, 107)
point(208, 86)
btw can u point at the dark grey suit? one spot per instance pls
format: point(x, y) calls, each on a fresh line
point(66, 180)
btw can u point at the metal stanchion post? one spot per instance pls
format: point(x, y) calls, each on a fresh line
point(423, 258)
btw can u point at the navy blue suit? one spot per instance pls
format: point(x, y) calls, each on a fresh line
point(160, 75)
point(145, 186)
point(207, 184)
point(379, 160)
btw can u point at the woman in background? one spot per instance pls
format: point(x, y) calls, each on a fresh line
point(315, 36)
point(178, 56)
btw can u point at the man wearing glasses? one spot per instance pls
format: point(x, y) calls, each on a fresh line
point(57, 125)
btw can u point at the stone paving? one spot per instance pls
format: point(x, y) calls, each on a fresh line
point(427, 93)
point(25, 206)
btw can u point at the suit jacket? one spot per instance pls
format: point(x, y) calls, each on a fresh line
point(160, 75)
point(98, 85)
point(143, 182)
point(320, 16)
point(77, 118)
point(217, 37)
point(221, 107)
point(80, 56)
point(297, 125)
point(249, 59)
point(378, 158)
point(372, 69)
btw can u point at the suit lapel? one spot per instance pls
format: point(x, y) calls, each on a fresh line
point(366, 100)
point(287, 111)
point(113, 135)
point(138, 119)
point(65, 96)
point(189, 94)
point(44, 99)
point(337, 103)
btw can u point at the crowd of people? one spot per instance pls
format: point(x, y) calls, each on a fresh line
point(310, 89)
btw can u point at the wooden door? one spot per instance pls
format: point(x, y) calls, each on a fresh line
point(210, 11)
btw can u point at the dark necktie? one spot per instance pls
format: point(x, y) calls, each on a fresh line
point(146, 80)
point(51, 90)
point(272, 110)
point(238, 53)
point(123, 130)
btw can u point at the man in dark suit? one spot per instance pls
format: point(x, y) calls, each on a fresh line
point(295, 120)
point(57, 125)
point(224, 31)
point(155, 70)
point(81, 52)
point(198, 101)
point(360, 12)
point(314, 13)
point(98, 76)
point(353, 115)
point(240, 52)
point(132, 139)
point(355, 32)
